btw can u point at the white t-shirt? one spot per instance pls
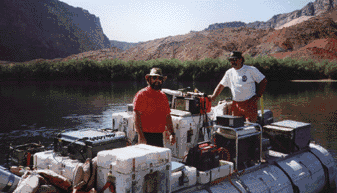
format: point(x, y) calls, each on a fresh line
point(242, 82)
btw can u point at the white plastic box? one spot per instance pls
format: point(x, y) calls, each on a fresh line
point(184, 178)
point(138, 168)
point(223, 170)
point(62, 165)
point(124, 122)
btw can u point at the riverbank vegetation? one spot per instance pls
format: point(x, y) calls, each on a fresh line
point(199, 70)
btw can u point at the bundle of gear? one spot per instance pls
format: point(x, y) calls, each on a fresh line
point(48, 181)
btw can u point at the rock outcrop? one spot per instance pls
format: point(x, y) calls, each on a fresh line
point(122, 45)
point(311, 9)
point(47, 29)
point(225, 25)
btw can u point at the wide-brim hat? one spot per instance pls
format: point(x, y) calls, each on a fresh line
point(156, 72)
point(235, 55)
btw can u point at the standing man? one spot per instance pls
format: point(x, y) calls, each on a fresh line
point(241, 80)
point(152, 111)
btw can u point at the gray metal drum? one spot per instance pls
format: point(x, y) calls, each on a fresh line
point(326, 159)
point(305, 171)
point(8, 181)
point(267, 179)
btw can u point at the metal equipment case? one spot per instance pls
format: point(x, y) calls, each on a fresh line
point(288, 136)
point(242, 145)
point(86, 143)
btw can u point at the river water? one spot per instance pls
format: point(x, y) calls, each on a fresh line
point(37, 111)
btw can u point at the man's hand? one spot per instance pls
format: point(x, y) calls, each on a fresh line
point(211, 97)
point(172, 139)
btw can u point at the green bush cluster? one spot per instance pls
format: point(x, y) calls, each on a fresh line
point(198, 70)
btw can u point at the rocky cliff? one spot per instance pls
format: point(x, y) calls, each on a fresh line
point(47, 29)
point(311, 9)
point(122, 45)
point(227, 24)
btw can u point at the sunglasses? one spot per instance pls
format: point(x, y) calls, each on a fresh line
point(157, 78)
point(233, 60)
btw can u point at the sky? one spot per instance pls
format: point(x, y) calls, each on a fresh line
point(144, 20)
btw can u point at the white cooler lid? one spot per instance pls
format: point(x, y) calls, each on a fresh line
point(133, 158)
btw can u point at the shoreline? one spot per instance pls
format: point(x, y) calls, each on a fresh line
point(322, 80)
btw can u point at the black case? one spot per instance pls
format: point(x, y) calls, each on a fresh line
point(230, 121)
point(86, 143)
point(188, 104)
point(203, 156)
point(248, 150)
point(288, 136)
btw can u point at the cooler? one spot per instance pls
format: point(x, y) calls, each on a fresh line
point(138, 168)
point(288, 136)
point(124, 122)
point(185, 126)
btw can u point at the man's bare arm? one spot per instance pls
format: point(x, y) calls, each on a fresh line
point(138, 126)
point(216, 92)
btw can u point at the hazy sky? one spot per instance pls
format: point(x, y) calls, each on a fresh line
point(143, 20)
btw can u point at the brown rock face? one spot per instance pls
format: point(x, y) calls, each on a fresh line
point(46, 29)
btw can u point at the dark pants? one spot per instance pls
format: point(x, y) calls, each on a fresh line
point(155, 139)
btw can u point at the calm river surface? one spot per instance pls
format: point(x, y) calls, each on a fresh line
point(36, 111)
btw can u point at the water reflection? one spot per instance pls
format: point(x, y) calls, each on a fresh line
point(39, 110)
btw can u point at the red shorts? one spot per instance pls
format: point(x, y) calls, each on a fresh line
point(247, 109)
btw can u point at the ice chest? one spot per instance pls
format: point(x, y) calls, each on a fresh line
point(138, 168)
point(124, 122)
point(288, 136)
point(185, 126)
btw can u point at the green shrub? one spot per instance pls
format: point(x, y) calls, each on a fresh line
point(200, 70)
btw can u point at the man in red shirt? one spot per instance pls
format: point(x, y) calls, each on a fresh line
point(152, 111)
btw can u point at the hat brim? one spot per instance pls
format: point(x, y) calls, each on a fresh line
point(234, 58)
point(148, 75)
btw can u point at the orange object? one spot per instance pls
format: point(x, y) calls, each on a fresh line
point(109, 185)
point(205, 105)
point(28, 158)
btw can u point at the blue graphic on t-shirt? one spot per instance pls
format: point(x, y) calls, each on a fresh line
point(244, 78)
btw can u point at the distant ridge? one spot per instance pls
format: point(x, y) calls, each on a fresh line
point(311, 9)
point(122, 45)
